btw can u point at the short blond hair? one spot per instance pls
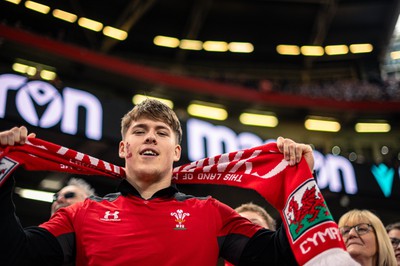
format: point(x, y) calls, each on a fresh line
point(251, 207)
point(156, 110)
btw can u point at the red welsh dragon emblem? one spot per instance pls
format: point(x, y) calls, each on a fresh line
point(308, 212)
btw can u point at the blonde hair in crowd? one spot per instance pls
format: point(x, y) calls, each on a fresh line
point(385, 251)
point(259, 210)
point(155, 110)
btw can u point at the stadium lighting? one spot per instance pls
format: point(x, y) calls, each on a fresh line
point(309, 50)
point(361, 48)
point(215, 46)
point(322, 124)
point(90, 24)
point(284, 49)
point(115, 33)
point(37, 7)
point(47, 74)
point(14, 1)
point(241, 47)
point(138, 98)
point(63, 15)
point(207, 110)
point(395, 55)
point(34, 194)
point(166, 41)
point(191, 45)
point(257, 119)
point(372, 127)
point(336, 49)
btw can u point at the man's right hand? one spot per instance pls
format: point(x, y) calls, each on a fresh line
point(14, 136)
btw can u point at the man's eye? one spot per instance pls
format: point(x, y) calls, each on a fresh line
point(138, 132)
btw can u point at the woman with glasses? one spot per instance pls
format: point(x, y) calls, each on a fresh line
point(393, 231)
point(366, 238)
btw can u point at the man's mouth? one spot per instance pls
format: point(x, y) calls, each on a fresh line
point(60, 206)
point(149, 153)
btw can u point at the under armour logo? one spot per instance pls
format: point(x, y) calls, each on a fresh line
point(113, 217)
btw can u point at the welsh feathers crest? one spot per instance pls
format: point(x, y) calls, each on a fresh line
point(180, 219)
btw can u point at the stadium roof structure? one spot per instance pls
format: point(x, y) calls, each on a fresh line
point(264, 24)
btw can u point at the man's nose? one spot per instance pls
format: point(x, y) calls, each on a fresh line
point(151, 137)
point(60, 198)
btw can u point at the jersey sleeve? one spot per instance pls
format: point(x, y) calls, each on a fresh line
point(235, 232)
point(268, 247)
point(244, 243)
point(61, 226)
point(24, 246)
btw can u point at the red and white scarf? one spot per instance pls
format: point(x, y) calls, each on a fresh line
point(292, 190)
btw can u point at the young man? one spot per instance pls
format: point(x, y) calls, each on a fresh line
point(138, 225)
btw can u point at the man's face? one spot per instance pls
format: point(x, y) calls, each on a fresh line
point(150, 149)
point(67, 196)
point(394, 234)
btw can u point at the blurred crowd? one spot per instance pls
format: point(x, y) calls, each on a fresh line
point(374, 89)
point(344, 90)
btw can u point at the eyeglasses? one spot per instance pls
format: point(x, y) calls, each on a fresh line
point(395, 242)
point(361, 229)
point(67, 195)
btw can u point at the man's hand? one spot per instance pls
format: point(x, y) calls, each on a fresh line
point(14, 136)
point(293, 151)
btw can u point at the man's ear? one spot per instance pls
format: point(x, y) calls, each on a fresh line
point(177, 153)
point(121, 152)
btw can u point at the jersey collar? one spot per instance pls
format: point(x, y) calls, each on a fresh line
point(125, 188)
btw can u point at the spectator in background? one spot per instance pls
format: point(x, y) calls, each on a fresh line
point(393, 231)
point(366, 239)
point(76, 190)
point(257, 215)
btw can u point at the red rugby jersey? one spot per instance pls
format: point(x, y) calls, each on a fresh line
point(169, 229)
